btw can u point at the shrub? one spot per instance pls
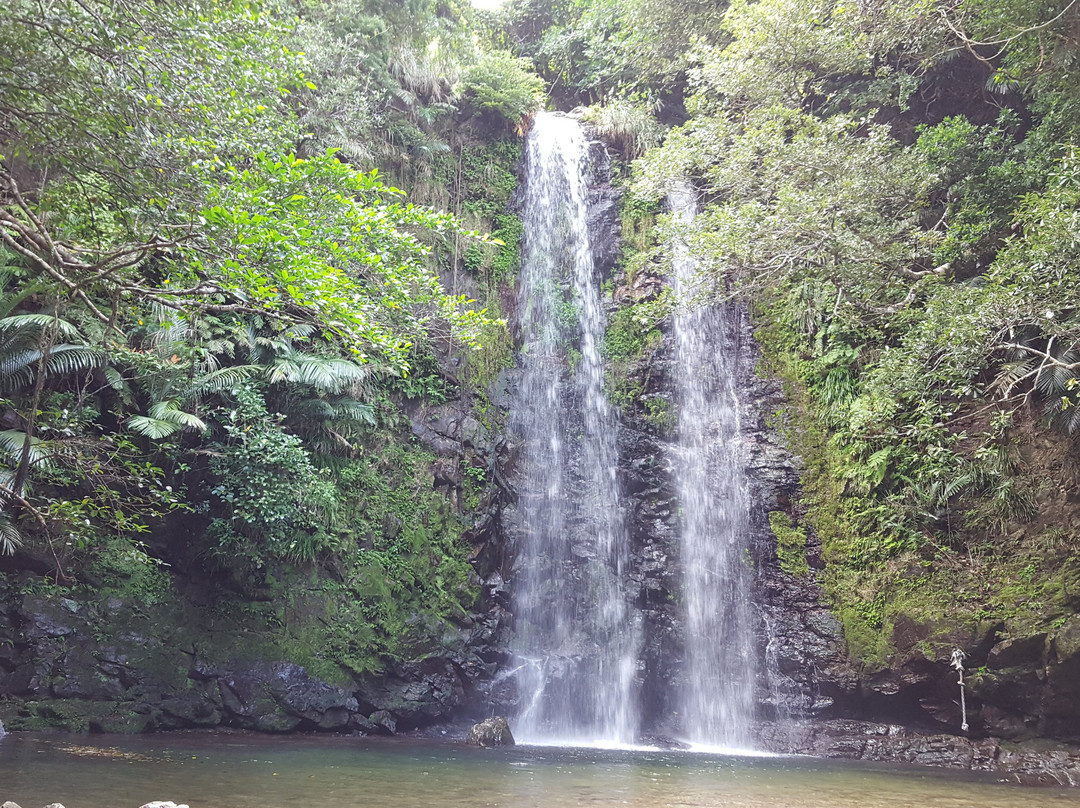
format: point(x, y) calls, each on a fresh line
point(627, 125)
point(504, 84)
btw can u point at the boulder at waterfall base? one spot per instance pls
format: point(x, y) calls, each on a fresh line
point(490, 732)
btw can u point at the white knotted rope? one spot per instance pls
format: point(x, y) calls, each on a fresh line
point(958, 657)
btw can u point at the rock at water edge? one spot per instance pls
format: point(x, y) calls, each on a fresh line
point(490, 732)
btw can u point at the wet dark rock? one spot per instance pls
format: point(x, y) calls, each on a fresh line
point(1020, 651)
point(490, 732)
point(662, 742)
point(60, 674)
point(44, 619)
point(190, 709)
point(604, 224)
point(1037, 763)
point(385, 720)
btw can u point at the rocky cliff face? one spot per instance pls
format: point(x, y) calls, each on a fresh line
point(803, 670)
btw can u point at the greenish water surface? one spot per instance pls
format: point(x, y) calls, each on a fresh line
point(237, 770)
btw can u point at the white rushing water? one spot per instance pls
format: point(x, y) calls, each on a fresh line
point(577, 637)
point(717, 698)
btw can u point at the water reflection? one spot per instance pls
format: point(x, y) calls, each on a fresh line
point(241, 771)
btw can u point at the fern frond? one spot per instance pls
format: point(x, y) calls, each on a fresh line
point(114, 378)
point(8, 303)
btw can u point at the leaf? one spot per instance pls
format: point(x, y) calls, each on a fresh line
point(152, 428)
point(38, 323)
point(170, 411)
point(11, 444)
point(10, 537)
point(219, 380)
point(18, 369)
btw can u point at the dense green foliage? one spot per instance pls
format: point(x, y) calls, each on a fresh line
point(894, 191)
point(592, 50)
point(213, 305)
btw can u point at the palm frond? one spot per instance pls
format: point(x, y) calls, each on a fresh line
point(153, 428)
point(1012, 372)
point(301, 330)
point(18, 369)
point(36, 323)
point(312, 409)
point(283, 369)
point(170, 411)
point(66, 360)
point(11, 447)
point(218, 380)
point(326, 374)
point(1069, 418)
point(10, 537)
point(352, 410)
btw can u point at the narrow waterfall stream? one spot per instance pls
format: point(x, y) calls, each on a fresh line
point(718, 696)
point(578, 640)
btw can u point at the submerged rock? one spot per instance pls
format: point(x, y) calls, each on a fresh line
point(490, 732)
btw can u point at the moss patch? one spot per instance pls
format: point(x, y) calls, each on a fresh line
point(790, 544)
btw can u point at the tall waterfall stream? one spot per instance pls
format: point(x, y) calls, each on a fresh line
point(578, 635)
point(578, 638)
point(717, 699)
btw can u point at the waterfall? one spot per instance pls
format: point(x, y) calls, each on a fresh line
point(577, 639)
point(717, 695)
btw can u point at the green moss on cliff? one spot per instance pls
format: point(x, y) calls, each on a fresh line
point(945, 588)
point(790, 543)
